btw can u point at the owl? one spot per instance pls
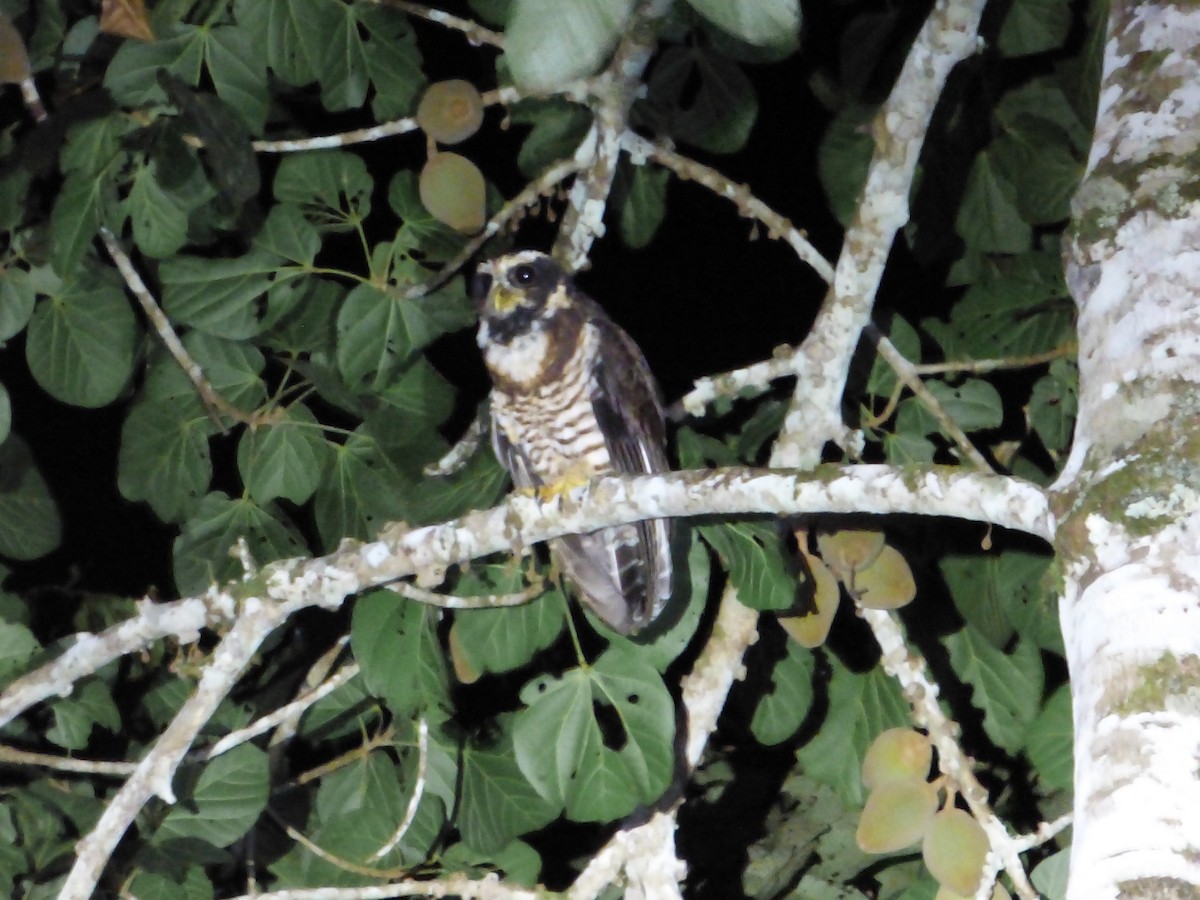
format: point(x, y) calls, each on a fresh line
point(573, 398)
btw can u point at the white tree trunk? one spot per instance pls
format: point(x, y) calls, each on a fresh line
point(1129, 511)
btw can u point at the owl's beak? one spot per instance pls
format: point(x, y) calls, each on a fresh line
point(504, 300)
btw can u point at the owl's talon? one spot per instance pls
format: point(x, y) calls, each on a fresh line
point(549, 492)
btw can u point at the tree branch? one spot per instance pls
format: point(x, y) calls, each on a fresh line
point(823, 362)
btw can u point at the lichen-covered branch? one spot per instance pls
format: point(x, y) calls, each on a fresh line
point(616, 88)
point(947, 37)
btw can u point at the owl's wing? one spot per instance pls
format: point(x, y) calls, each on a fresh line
point(629, 413)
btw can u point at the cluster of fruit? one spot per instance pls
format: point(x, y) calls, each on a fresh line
point(903, 808)
point(450, 185)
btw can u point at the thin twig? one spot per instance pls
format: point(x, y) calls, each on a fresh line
point(410, 814)
point(748, 205)
point(616, 89)
point(452, 601)
point(475, 33)
point(544, 184)
point(904, 371)
point(216, 405)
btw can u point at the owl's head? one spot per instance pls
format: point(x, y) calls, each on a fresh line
point(518, 292)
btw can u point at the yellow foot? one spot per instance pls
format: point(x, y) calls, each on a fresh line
point(548, 492)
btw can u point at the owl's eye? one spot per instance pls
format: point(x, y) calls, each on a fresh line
point(524, 275)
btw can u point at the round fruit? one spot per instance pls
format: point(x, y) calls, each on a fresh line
point(898, 754)
point(955, 850)
point(450, 111)
point(847, 552)
point(896, 815)
point(452, 189)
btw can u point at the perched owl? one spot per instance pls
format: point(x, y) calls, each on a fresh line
point(572, 398)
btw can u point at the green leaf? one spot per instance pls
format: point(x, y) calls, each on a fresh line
point(783, 708)
point(132, 76)
point(81, 342)
point(1018, 306)
point(860, 707)
point(843, 157)
point(1051, 746)
point(1034, 26)
point(1054, 405)
point(992, 591)
point(239, 74)
point(17, 646)
point(644, 205)
point(232, 368)
point(93, 144)
point(378, 333)
point(284, 458)
point(331, 187)
point(393, 61)
point(395, 642)
point(498, 801)
point(905, 339)
point(908, 443)
point(1006, 687)
point(371, 781)
point(989, 220)
point(74, 221)
point(598, 739)
point(478, 485)
point(201, 552)
point(288, 234)
point(74, 716)
point(29, 522)
point(293, 35)
point(421, 393)
point(220, 296)
point(359, 493)
point(752, 553)
point(500, 640)
point(558, 127)
point(227, 799)
point(1036, 156)
point(1050, 876)
point(974, 404)
point(701, 98)
point(14, 199)
point(17, 299)
point(1043, 99)
point(760, 22)
point(160, 220)
point(164, 457)
point(551, 42)
point(193, 885)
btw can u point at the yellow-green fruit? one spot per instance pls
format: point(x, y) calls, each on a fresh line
point(451, 188)
point(450, 111)
point(898, 754)
point(847, 552)
point(887, 583)
point(955, 849)
point(895, 816)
